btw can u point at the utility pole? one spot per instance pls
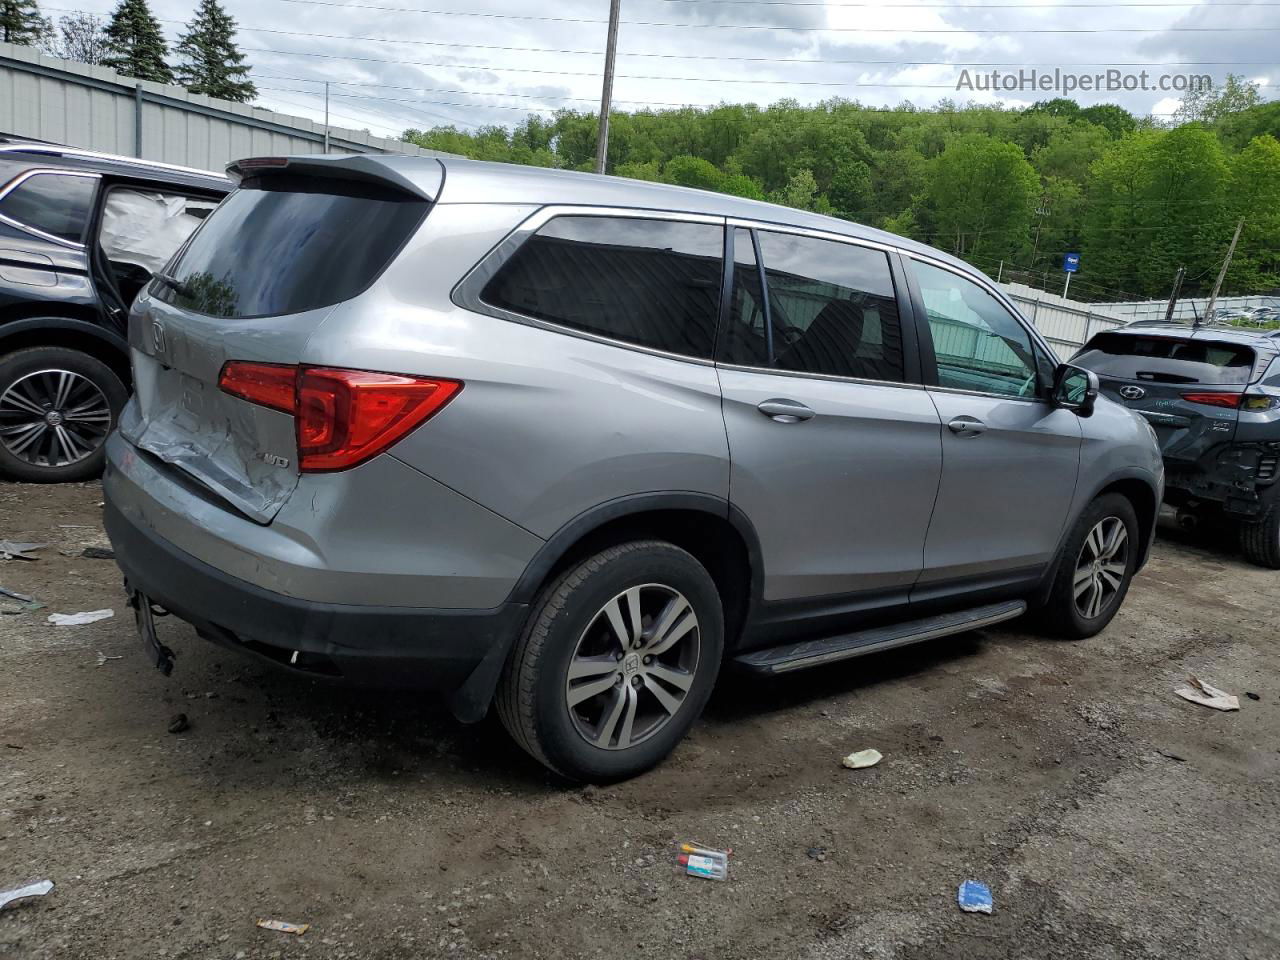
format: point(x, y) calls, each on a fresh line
point(1208, 311)
point(326, 116)
point(606, 93)
point(1173, 295)
point(1000, 272)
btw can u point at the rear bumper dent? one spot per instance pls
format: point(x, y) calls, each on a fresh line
point(456, 652)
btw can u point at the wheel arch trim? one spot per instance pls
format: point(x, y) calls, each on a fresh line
point(587, 522)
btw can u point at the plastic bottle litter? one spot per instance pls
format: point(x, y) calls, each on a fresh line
point(704, 862)
point(974, 897)
point(861, 759)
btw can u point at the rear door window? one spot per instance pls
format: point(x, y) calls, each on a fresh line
point(652, 283)
point(286, 244)
point(831, 308)
point(1167, 359)
point(54, 203)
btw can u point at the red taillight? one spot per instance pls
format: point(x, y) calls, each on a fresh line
point(342, 417)
point(273, 385)
point(347, 416)
point(1231, 400)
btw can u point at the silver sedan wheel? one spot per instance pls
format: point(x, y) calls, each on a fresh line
point(53, 418)
point(633, 666)
point(1101, 567)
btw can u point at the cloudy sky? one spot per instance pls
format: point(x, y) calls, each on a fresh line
point(421, 63)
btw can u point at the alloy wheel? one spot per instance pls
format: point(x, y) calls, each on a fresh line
point(53, 418)
point(1101, 567)
point(633, 666)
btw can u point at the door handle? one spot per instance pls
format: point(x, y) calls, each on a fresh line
point(785, 411)
point(966, 426)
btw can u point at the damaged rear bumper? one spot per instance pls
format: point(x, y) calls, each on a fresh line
point(456, 652)
point(1234, 476)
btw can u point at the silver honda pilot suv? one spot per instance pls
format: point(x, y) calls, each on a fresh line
point(574, 444)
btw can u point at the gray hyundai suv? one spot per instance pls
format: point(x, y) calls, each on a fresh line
point(573, 444)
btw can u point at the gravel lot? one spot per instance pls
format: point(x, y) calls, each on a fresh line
point(1110, 818)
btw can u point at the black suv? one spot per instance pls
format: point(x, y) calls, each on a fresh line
point(1212, 393)
point(80, 234)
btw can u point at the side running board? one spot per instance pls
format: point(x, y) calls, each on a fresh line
point(813, 653)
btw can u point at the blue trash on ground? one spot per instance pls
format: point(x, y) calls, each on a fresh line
point(974, 897)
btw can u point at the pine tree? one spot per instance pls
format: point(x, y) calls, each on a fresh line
point(136, 43)
point(21, 22)
point(212, 63)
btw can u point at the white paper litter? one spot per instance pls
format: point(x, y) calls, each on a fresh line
point(861, 759)
point(1207, 695)
point(78, 619)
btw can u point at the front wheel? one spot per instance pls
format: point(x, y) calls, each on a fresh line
point(1095, 568)
point(616, 662)
point(57, 406)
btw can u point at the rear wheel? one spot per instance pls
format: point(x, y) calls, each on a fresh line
point(1260, 541)
point(616, 662)
point(57, 406)
point(1097, 563)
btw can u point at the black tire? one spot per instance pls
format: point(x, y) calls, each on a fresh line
point(1061, 616)
point(16, 367)
point(1260, 541)
point(533, 696)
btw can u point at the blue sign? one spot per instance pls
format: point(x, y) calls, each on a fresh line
point(1071, 262)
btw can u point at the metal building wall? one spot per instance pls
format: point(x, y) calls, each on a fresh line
point(95, 108)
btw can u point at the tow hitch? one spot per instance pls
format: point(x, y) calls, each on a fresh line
point(144, 614)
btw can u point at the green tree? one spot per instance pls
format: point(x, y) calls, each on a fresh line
point(21, 22)
point(135, 43)
point(212, 63)
point(982, 195)
point(687, 171)
point(1208, 104)
point(1115, 119)
point(1157, 201)
point(801, 192)
point(1255, 198)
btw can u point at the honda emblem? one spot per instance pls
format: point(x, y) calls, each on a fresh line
point(157, 336)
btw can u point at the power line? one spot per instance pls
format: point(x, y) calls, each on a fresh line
point(549, 96)
point(968, 6)
point(681, 56)
point(818, 119)
point(773, 27)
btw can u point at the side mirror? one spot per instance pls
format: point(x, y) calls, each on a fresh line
point(1075, 389)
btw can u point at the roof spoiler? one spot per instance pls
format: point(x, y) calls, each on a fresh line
point(426, 182)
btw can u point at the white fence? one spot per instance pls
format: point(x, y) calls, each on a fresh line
point(1067, 324)
point(94, 108)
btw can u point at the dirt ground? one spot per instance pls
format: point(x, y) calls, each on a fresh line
point(1110, 818)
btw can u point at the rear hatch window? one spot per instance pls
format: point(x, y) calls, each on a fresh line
point(1167, 360)
point(254, 283)
point(1186, 388)
point(287, 244)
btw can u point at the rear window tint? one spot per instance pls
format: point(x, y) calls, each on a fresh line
point(654, 283)
point(1166, 359)
point(287, 244)
point(54, 203)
